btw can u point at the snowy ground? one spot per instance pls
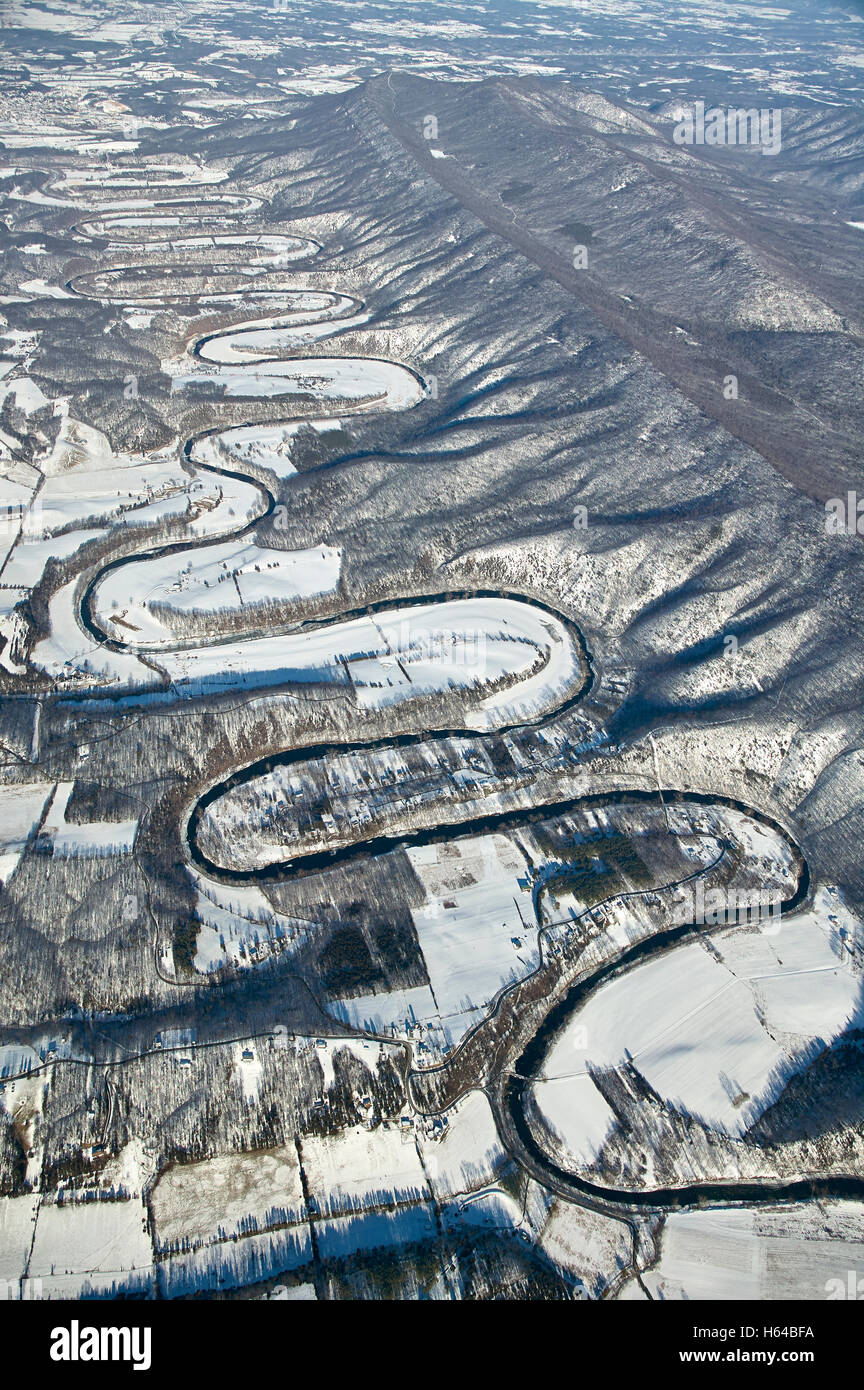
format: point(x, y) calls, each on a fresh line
point(262, 446)
point(151, 175)
point(196, 1204)
point(309, 316)
point(90, 838)
point(468, 928)
point(20, 812)
point(361, 1168)
point(87, 489)
point(99, 1248)
point(235, 920)
point(716, 1038)
point(796, 1252)
point(229, 1220)
point(468, 1155)
point(477, 933)
point(259, 248)
point(461, 644)
point(136, 602)
point(330, 380)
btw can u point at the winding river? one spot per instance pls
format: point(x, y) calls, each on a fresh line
point(255, 351)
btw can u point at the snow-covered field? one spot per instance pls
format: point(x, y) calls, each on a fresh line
point(56, 138)
point(16, 1235)
point(150, 175)
point(262, 446)
point(309, 316)
point(793, 1252)
point(259, 248)
point(361, 1168)
point(137, 490)
point(236, 919)
point(477, 933)
point(591, 1246)
point(135, 603)
point(468, 1155)
point(197, 1204)
point(474, 915)
point(242, 1217)
point(233, 1264)
point(87, 490)
point(575, 1111)
point(460, 644)
point(398, 1012)
point(20, 812)
point(93, 838)
point(161, 214)
point(230, 283)
point(714, 1032)
point(340, 1236)
point(331, 380)
point(99, 1248)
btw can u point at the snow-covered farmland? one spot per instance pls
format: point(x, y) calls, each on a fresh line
point(466, 1153)
point(136, 602)
point(91, 1248)
point(243, 1217)
point(258, 248)
point(715, 1032)
point(187, 210)
point(340, 1236)
point(17, 1215)
point(21, 809)
point(361, 1168)
point(308, 316)
point(142, 176)
point(16, 1058)
point(197, 1204)
point(164, 217)
point(376, 384)
point(592, 1247)
point(235, 922)
point(95, 838)
point(398, 1012)
point(232, 1264)
point(476, 928)
point(460, 644)
point(793, 1252)
point(574, 1110)
point(228, 282)
point(87, 488)
point(87, 484)
point(262, 446)
point(478, 934)
point(26, 395)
